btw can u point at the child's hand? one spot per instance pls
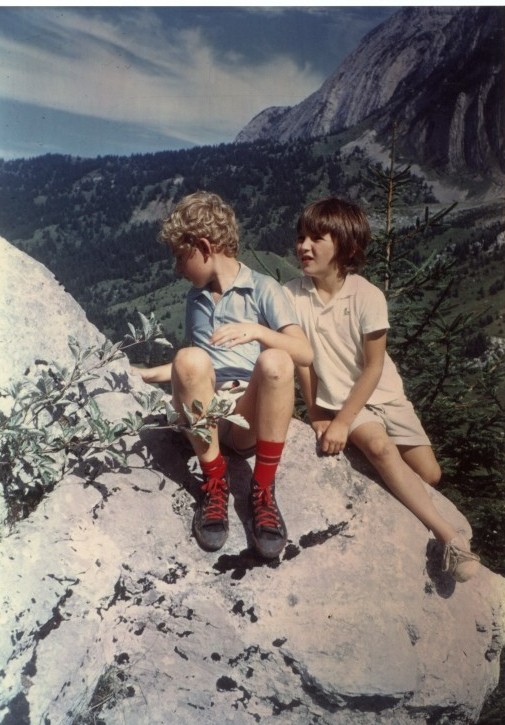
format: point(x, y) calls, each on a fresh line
point(334, 438)
point(319, 427)
point(234, 333)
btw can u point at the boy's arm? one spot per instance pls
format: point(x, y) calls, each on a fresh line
point(159, 374)
point(374, 349)
point(319, 419)
point(307, 379)
point(290, 338)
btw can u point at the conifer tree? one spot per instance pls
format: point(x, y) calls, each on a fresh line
point(456, 395)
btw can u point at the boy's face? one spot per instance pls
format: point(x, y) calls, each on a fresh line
point(191, 264)
point(316, 254)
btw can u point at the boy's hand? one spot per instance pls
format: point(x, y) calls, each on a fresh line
point(319, 427)
point(331, 435)
point(234, 333)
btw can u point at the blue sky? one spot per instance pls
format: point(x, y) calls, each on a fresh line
point(91, 81)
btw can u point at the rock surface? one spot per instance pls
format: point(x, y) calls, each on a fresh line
point(110, 613)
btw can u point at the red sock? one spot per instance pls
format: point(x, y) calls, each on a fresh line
point(215, 468)
point(268, 455)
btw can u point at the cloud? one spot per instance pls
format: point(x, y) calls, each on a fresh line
point(130, 67)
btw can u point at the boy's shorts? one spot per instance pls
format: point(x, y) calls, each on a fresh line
point(232, 390)
point(399, 419)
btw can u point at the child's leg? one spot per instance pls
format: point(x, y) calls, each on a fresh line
point(422, 460)
point(193, 379)
point(267, 405)
point(400, 478)
point(268, 402)
point(408, 487)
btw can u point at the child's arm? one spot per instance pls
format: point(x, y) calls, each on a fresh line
point(319, 421)
point(335, 437)
point(159, 374)
point(308, 385)
point(290, 338)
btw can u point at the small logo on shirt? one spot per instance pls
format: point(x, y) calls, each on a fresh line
point(347, 311)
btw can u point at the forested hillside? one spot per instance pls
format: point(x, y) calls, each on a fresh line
point(94, 222)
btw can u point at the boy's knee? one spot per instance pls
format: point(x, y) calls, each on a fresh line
point(380, 448)
point(192, 362)
point(276, 365)
point(433, 475)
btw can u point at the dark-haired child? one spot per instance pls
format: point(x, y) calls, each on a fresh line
point(353, 391)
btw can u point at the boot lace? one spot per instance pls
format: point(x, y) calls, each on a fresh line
point(266, 513)
point(215, 507)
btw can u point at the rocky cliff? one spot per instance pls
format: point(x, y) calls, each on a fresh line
point(110, 613)
point(437, 72)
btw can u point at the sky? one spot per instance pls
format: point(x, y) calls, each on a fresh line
point(90, 81)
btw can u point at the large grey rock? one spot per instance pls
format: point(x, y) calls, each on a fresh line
point(111, 613)
point(37, 316)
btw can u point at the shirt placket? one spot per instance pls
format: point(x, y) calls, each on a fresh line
point(219, 311)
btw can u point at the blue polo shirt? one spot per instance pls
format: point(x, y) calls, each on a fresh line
point(253, 297)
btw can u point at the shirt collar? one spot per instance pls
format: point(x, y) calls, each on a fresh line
point(243, 280)
point(348, 288)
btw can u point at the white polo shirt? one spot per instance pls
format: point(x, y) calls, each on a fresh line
point(335, 330)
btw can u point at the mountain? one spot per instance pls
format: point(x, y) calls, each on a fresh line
point(437, 72)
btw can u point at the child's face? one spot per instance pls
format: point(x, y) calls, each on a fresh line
point(190, 264)
point(316, 254)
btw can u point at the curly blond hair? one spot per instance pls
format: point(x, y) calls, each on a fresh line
point(201, 215)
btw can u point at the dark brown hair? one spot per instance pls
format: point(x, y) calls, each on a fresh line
point(348, 226)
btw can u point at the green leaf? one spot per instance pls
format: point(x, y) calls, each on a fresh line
point(203, 433)
point(172, 414)
point(163, 342)
point(213, 405)
point(115, 348)
point(189, 415)
point(146, 327)
point(133, 422)
point(94, 410)
point(238, 420)
point(74, 346)
point(198, 405)
point(117, 456)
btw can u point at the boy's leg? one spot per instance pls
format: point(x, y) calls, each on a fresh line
point(408, 487)
point(422, 460)
point(193, 379)
point(400, 478)
point(406, 430)
point(267, 405)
